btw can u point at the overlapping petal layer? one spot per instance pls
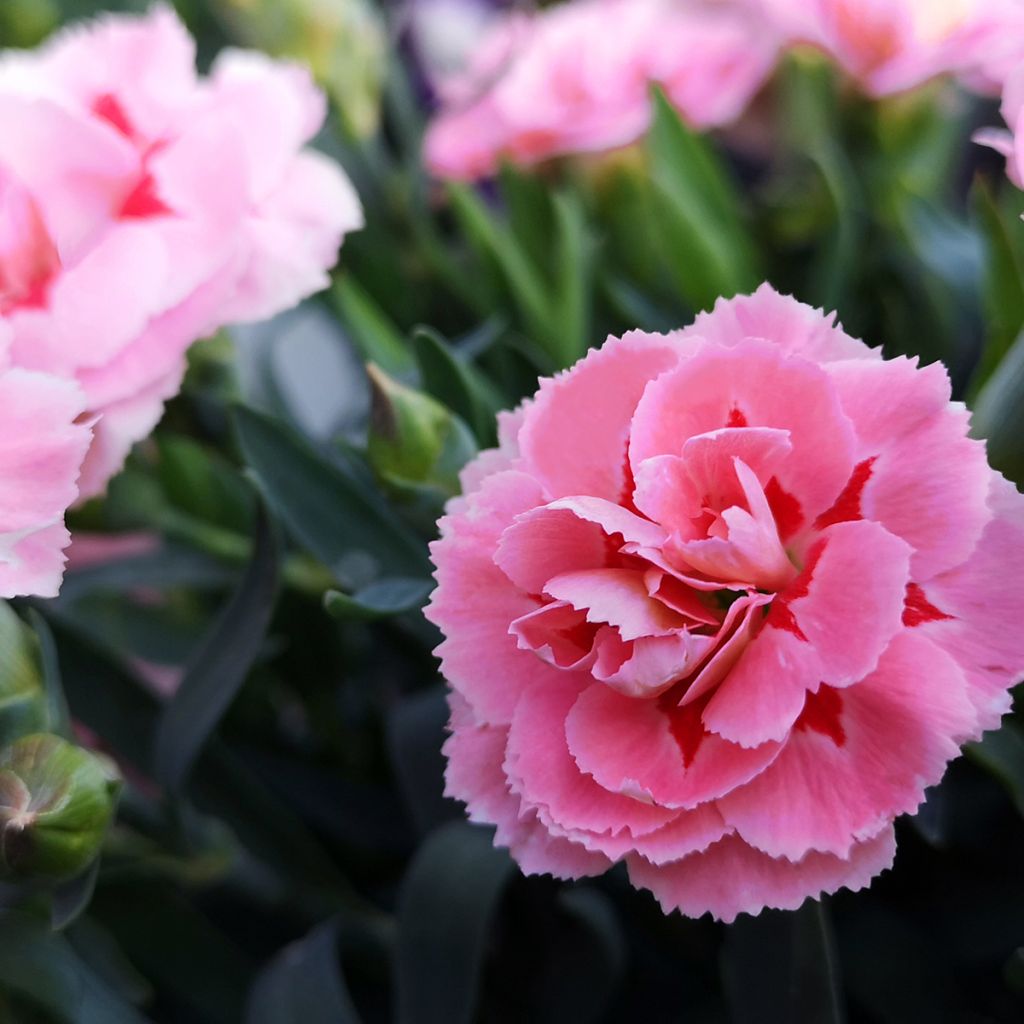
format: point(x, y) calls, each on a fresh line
point(719, 610)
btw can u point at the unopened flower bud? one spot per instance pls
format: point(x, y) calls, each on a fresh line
point(56, 802)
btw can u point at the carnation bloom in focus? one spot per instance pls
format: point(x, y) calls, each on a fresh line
point(893, 45)
point(144, 207)
point(576, 78)
point(42, 445)
point(722, 605)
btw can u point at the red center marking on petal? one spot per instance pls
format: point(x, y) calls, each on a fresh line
point(685, 723)
point(789, 516)
point(109, 108)
point(780, 615)
point(736, 418)
point(917, 609)
point(628, 485)
point(847, 506)
point(143, 201)
point(822, 713)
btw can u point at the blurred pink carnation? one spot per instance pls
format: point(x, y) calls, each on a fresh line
point(718, 609)
point(893, 45)
point(576, 78)
point(143, 208)
point(1010, 141)
point(42, 444)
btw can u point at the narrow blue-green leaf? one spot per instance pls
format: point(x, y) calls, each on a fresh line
point(1001, 752)
point(573, 279)
point(303, 984)
point(72, 898)
point(330, 510)
point(447, 903)
point(453, 382)
point(379, 600)
point(221, 665)
point(782, 967)
point(700, 228)
point(999, 414)
point(374, 334)
point(41, 967)
point(1004, 282)
point(57, 713)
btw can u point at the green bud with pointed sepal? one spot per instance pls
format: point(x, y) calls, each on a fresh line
point(414, 440)
point(56, 803)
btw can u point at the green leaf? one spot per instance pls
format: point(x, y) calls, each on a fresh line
point(782, 967)
point(494, 241)
point(303, 985)
point(999, 414)
point(23, 707)
point(42, 967)
point(379, 600)
point(329, 508)
point(456, 383)
point(58, 717)
point(448, 900)
point(71, 899)
point(574, 259)
point(1001, 752)
point(373, 333)
point(1003, 281)
point(708, 248)
point(221, 664)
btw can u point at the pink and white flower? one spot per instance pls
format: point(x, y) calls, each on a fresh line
point(722, 605)
point(144, 207)
point(576, 78)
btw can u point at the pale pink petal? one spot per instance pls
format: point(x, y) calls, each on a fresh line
point(589, 411)
point(473, 775)
point(797, 329)
point(731, 878)
point(661, 754)
point(569, 535)
point(543, 773)
point(832, 627)
point(41, 450)
point(752, 384)
point(474, 602)
point(973, 611)
point(848, 770)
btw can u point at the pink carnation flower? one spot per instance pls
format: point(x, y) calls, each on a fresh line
point(722, 605)
point(144, 207)
point(42, 444)
point(577, 77)
point(893, 45)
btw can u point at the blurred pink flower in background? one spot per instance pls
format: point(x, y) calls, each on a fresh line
point(576, 78)
point(716, 609)
point(144, 207)
point(1010, 141)
point(42, 444)
point(893, 45)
